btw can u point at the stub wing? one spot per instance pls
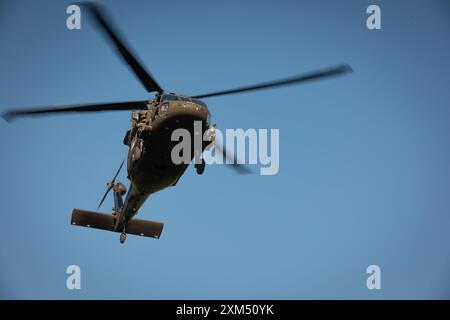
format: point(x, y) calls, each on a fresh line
point(92, 219)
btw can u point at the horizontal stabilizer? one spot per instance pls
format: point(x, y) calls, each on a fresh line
point(104, 221)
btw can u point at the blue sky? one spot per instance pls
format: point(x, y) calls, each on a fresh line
point(364, 174)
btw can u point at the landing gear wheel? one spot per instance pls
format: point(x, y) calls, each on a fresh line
point(123, 237)
point(200, 167)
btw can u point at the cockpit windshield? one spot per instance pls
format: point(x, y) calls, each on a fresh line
point(185, 99)
point(173, 97)
point(169, 97)
point(198, 102)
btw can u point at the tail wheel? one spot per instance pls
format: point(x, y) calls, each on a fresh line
point(123, 237)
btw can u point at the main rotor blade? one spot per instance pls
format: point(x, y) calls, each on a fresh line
point(232, 162)
point(315, 75)
point(9, 115)
point(107, 26)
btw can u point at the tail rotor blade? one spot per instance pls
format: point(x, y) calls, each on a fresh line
point(104, 196)
point(111, 185)
point(118, 171)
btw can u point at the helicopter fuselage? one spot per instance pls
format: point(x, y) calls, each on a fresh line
point(149, 164)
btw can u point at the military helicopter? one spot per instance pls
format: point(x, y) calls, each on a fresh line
point(149, 164)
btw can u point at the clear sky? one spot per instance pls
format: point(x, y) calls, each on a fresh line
point(364, 159)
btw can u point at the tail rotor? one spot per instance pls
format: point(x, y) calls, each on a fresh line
point(110, 185)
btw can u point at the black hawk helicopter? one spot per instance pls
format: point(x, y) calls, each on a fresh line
point(149, 164)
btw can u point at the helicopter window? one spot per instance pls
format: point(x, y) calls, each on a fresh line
point(185, 99)
point(169, 97)
point(199, 102)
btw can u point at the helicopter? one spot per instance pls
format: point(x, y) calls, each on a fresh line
point(149, 143)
